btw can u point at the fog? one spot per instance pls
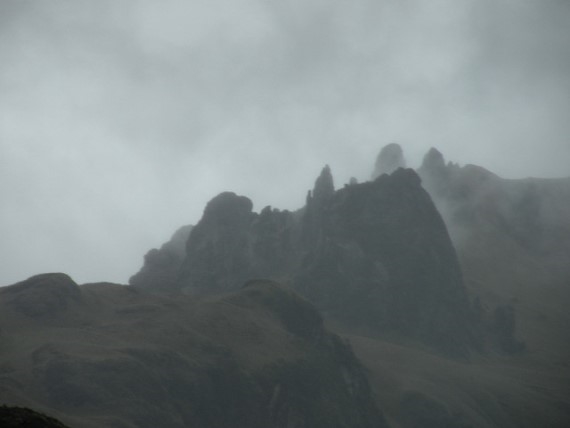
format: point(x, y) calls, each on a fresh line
point(119, 120)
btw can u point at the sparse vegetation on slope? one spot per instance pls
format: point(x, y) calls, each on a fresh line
point(259, 358)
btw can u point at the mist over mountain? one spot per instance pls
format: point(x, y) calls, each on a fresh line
point(429, 291)
point(428, 298)
point(390, 158)
point(122, 119)
point(105, 355)
point(373, 255)
point(513, 240)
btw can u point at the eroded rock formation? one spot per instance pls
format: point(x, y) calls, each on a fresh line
point(375, 255)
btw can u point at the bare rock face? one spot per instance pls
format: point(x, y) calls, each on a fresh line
point(382, 260)
point(433, 161)
point(161, 266)
point(374, 255)
point(217, 253)
point(390, 158)
point(324, 185)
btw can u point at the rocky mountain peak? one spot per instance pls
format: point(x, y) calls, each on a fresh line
point(374, 255)
point(227, 207)
point(390, 158)
point(433, 160)
point(434, 172)
point(161, 265)
point(324, 185)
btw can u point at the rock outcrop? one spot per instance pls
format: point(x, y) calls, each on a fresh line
point(161, 266)
point(375, 256)
point(390, 158)
point(324, 185)
point(217, 251)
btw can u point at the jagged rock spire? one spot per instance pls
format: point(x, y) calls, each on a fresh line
point(324, 185)
point(433, 161)
point(227, 207)
point(390, 158)
point(434, 172)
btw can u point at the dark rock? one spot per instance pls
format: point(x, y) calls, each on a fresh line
point(324, 185)
point(228, 210)
point(384, 261)
point(301, 387)
point(390, 158)
point(218, 249)
point(21, 417)
point(374, 255)
point(433, 161)
point(161, 266)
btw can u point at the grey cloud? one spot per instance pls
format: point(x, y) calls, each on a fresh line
point(119, 120)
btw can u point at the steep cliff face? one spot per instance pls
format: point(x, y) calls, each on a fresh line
point(161, 265)
point(384, 261)
point(390, 158)
point(260, 358)
point(375, 256)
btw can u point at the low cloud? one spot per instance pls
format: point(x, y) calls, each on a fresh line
point(119, 120)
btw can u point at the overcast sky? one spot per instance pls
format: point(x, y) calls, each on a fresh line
point(119, 120)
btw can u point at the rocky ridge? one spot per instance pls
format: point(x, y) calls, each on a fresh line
point(376, 256)
point(222, 354)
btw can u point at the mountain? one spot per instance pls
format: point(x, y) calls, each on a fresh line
point(105, 355)
point(429, 298)
point(390, 158)
point(513, 241)
point(499, 278)
point(161, 264)
point(375, 256)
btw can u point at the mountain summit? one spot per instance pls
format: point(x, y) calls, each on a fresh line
point(354, 311)
point(390, 158)
point(375, 256)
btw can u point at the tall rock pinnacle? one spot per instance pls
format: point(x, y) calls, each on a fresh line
point(434, 172)
point(324, 185)
point(433, 161)
point(390, 158)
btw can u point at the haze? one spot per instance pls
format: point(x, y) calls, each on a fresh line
point(119, 120)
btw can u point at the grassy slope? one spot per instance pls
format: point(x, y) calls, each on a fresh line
point(493, 391)
point(527, 390)
point(487, 392)
point(119, 358)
